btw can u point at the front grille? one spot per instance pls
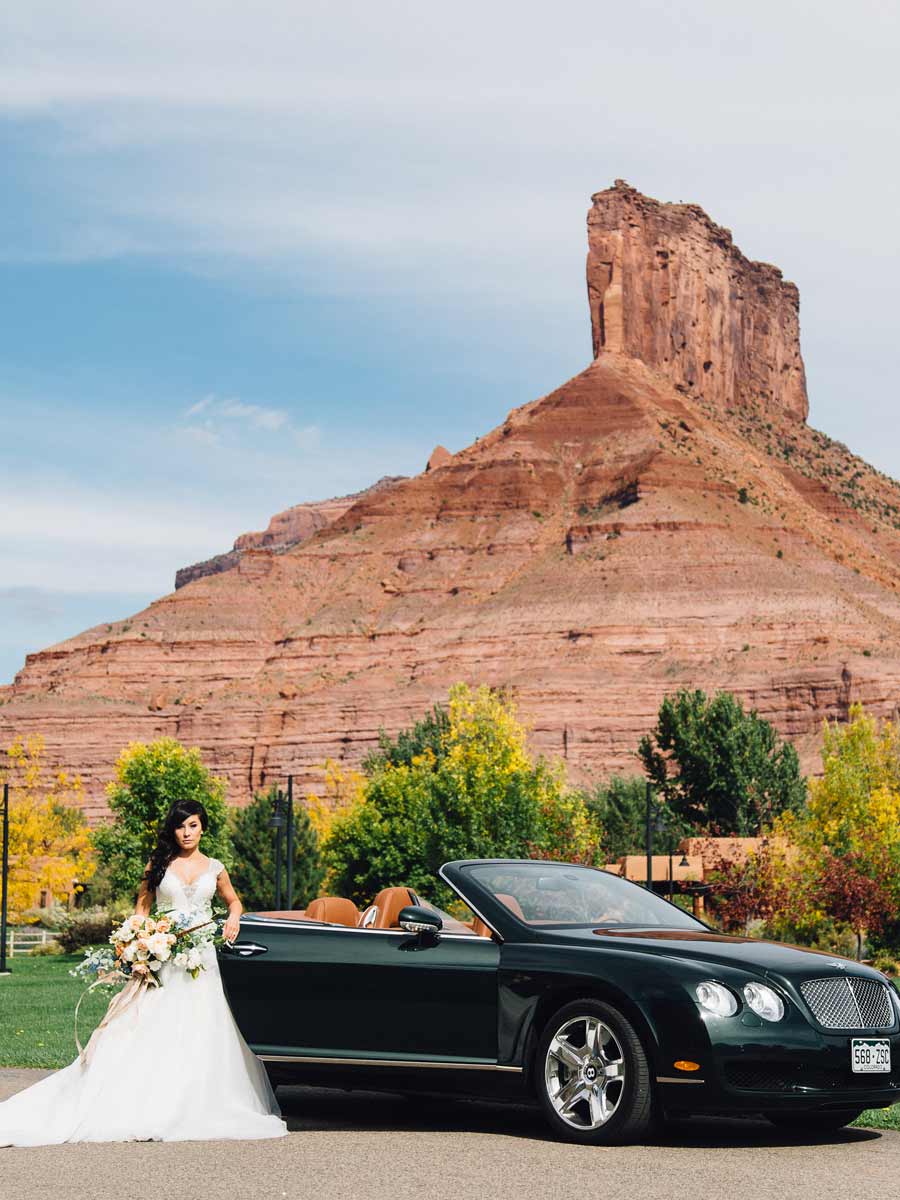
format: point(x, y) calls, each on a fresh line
point(791, 1077)
point(849, 1002)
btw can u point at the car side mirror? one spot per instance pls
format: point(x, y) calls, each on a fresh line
point(416, 919)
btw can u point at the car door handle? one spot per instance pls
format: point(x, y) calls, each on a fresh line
point(244, 949)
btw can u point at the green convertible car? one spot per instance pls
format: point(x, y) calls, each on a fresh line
point(569, 985)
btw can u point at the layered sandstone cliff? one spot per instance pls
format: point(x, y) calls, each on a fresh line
point(631, 533)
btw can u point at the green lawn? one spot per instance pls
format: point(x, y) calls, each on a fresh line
point(37, 1006)
point(881, 1118)
point(37, 1009)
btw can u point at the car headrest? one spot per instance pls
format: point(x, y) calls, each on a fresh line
point(334, 910)
point(390, 902)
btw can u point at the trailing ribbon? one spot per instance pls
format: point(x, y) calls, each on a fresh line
point(118, 1004)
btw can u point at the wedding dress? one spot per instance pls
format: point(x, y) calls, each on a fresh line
point(172, 1066)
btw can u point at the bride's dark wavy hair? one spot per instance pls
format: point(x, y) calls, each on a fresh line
point(166, 847)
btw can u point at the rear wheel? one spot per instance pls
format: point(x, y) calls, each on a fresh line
point(814, 1122)
point(593, 1076)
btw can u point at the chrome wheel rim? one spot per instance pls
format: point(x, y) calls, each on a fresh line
point(584, 1072)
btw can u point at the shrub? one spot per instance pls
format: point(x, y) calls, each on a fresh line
point(89, 926)
point(52, 917)
point(85, 928)
point(884, 961)
point(46, 950)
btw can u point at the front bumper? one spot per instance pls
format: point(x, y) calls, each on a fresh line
point(752, 1066)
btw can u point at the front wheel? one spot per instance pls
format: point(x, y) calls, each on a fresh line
point(813, 1122)
point(593, 1076)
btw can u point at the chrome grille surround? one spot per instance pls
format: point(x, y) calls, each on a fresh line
point(849, 1002)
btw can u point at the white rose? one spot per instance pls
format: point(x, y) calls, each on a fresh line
point(159, 946)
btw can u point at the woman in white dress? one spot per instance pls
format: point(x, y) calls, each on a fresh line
point(171, 1065)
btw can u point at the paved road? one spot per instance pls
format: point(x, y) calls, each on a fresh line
point(345, 1146)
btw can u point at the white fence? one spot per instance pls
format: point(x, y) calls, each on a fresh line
point(20, 941)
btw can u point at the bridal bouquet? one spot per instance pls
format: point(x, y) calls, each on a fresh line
point(140, 945)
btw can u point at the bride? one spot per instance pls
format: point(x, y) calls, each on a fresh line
point(171, 1065)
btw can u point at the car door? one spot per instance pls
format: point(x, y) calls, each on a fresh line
point(331, 991)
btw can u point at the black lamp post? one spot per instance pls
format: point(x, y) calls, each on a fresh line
point(276, 822)
point(660, 826)
point(290, 842)
point(4, 869)
point(648, 836)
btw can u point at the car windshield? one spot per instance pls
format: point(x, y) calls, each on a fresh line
point(544, 893)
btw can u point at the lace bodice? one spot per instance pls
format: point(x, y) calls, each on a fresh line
point(194, 898)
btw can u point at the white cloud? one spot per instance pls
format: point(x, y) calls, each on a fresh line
point(214, 422)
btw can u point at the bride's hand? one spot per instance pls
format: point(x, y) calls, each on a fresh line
point(231, 928)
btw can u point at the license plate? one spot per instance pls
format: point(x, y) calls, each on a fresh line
point(870, 1056)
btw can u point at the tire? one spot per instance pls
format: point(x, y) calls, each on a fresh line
point(813, 1122)
point(592, 1076)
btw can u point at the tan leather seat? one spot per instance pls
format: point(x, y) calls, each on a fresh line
point(479, 927)
point(333, 910)
point(512, 904)
point(388, 905)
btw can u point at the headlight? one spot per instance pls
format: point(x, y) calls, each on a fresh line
point(764, 1002)
point(717, 999)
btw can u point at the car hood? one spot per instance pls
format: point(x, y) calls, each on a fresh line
point(717, 949)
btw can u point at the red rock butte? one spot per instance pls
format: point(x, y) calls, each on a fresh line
point(665, 519)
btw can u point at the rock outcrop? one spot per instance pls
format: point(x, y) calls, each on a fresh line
point(439, 456)
point(668, 286)
point(640, 529)
point(286, 529)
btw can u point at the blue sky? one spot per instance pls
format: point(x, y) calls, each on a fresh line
point(253, 255)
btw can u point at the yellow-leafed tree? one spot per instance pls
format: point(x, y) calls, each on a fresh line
point(855, 806)
point(461, 783)
point(49, 842)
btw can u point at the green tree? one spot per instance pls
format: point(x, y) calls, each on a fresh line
point(618, 808)
point(253, 873)
point(428, 734)
point(720, 769)
point(478, 794)
point(150, 777)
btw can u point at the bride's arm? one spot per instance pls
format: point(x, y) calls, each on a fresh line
point(144, 897)
point(226, 890)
